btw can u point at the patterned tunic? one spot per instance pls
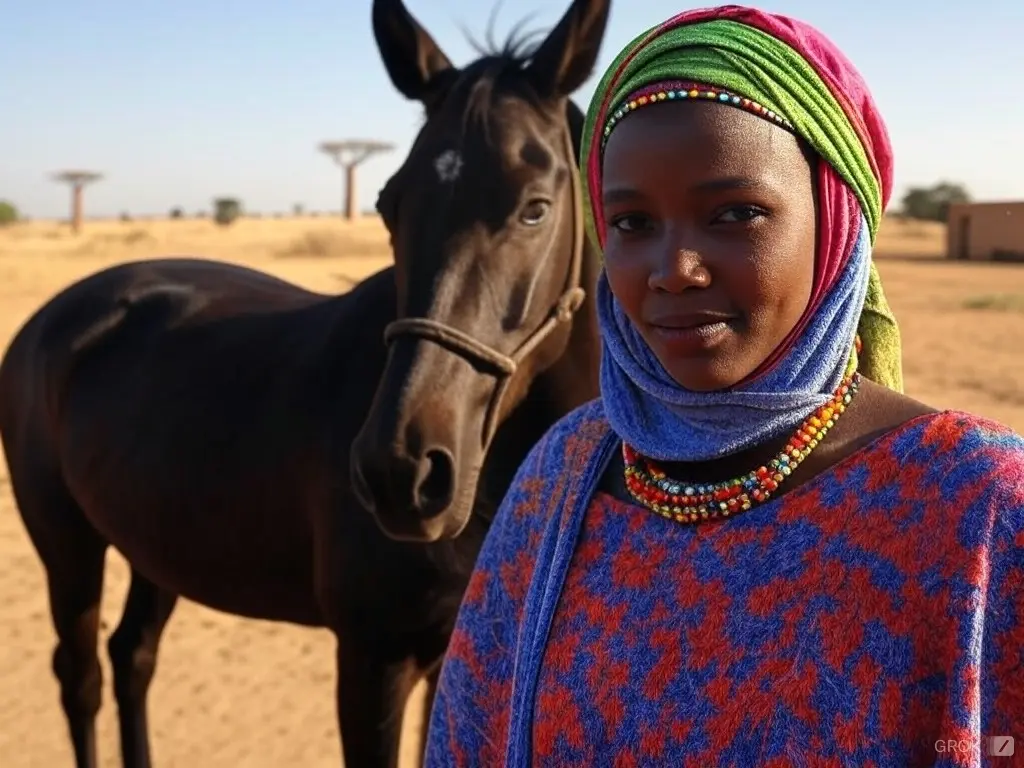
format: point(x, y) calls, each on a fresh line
point(873, 616)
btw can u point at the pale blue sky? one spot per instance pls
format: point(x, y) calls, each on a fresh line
point(178, 102)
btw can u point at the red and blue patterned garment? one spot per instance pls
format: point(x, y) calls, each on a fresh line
point(873, 616)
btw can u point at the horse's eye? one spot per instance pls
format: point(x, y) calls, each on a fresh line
point(533, 212)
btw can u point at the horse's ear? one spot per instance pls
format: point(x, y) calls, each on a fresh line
point(566, 58)
point(412, 58)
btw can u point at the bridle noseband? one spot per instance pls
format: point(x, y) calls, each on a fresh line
point(505, 366)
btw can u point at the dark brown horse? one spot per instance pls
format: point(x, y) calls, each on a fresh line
point(199, 416)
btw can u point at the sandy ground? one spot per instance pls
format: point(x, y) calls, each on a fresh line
point(234, 692)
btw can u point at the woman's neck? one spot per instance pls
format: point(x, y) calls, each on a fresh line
point(874, 411)
point(726, 468)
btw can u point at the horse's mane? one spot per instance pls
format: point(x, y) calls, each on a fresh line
point(495, 72)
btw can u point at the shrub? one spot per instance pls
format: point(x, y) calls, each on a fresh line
point(8, 213)
point(226, 210)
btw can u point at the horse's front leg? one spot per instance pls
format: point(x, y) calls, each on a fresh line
point(372, 693)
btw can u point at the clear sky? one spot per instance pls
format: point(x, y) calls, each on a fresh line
point(179, 102)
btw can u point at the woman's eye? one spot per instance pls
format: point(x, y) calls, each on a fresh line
point(631, 223)
point(741, 214)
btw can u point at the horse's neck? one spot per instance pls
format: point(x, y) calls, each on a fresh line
point(573, 379)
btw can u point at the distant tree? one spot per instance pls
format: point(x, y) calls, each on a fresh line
point(202, 214)
point(78, 181)
point(8, 213)
point(349, 155)
point(177, 213)
point(297, 209)
point(125, 216)
point(932, 203)
point(226, 210)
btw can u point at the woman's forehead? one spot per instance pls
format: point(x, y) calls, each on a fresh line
point(700, 134)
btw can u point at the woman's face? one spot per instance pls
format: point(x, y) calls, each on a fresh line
point(711, 236)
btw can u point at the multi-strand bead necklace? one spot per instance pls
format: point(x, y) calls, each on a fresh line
point(683, 502)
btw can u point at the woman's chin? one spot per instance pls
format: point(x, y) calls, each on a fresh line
point(703, 367)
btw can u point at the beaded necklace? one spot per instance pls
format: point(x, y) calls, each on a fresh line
point(684, 502)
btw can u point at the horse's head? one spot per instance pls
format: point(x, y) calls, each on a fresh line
point(488, 245)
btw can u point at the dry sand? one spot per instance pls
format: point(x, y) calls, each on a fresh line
point(234, 692)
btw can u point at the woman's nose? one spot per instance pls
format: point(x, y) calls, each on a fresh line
point(679, 269)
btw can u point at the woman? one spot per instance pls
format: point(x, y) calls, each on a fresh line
point(753, 549)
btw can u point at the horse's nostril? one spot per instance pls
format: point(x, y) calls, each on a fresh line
point(435, 482)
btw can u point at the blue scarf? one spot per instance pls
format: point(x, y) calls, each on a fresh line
point(651, 412)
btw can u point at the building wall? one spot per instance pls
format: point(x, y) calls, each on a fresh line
point(983, 231)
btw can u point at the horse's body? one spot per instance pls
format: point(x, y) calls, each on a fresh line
point(199, 417)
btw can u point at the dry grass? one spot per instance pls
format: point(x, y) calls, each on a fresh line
point(1012, 302)
point(246, 240)
point(233, 692)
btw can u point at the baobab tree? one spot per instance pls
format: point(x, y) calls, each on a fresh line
point(78, 180)
point(349, 155)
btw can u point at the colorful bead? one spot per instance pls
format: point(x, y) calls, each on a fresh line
point(652, 94)
point(651, 486)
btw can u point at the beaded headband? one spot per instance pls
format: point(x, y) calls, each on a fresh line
point(679, 90)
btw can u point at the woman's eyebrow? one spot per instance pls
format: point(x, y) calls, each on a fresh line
point(614, 195)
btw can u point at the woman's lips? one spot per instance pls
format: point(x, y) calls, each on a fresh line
point(692, 332)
